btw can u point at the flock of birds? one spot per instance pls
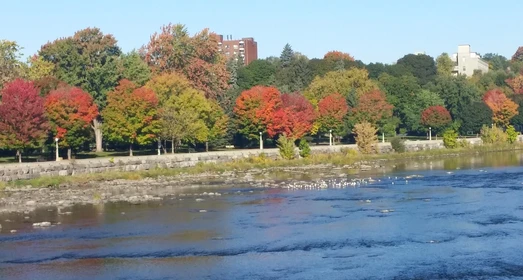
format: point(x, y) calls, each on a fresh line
point(347, 183)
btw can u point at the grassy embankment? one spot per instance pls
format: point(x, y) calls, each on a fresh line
point(347, 157)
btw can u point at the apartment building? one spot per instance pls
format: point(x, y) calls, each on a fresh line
point(466, 62)
point(246, 48)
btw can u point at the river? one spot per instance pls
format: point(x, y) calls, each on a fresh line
point(458, 218)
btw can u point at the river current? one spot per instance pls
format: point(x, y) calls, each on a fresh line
point(459, 221)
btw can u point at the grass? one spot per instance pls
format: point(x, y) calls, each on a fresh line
point(347, 157)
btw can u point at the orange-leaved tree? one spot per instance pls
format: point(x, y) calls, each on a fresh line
point(331, 111)
point(372, 107)
point(131, 115)
point(295, 117)
point(337, 55)
point(503, 109)
point(516, 84)
point(255, 110)
point(70, 111)
point(22, 117)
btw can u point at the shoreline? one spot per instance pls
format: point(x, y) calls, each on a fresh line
point(141, 189)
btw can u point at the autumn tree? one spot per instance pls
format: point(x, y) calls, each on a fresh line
point(295, 117)
point(216, 122)
point(436, 117)
point(341, 82)
point(503, 109)
point(372, 107)
point(197, 58)
point(131, 115)
point(331, 111)
point(337, 55)
point(444, 64)
point(134, 69)
point(10, 65)
point(89, 60)
point(518, 55)
point(516, 84)
point(38, 68)
point(70, 111)
point(255, 110)
point(22, 117)
point(366, 138)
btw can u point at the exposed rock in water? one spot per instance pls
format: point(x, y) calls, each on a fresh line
point(42, 224)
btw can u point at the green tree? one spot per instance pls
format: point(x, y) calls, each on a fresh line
point(286, 56)
point(496, 61)
point(257, 73)
point(10, 65)
point(37, 68)
point(421, 66)
point(134, 69)
point(457, 92)
point(89, 60)
point(473, 116)
point(444, 65)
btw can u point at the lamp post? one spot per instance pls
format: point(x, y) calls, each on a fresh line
point(330, 137)
point(383, 137)
point(56, 144)
point(430, 133)
point(159, 146)
point(261, 141)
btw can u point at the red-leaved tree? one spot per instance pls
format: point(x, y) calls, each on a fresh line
point(372, 107)
point(436, 117)
point(337, 55)
point(503, 109)
point(70, 111)
point(255, 110)
point(295, 117)
point(516, 84)
point(22, 117)
point(331, 111)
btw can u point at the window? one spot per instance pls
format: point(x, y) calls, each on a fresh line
point(235, 47)
point(464, 68)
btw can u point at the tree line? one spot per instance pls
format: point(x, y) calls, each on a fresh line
point(179, 89)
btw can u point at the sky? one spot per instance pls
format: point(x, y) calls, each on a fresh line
point(371, 30)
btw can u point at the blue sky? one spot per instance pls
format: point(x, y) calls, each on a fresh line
point(372, 30)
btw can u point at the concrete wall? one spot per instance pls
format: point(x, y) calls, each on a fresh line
point(16, 171)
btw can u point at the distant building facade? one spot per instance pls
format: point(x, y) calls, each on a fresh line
point(466, 62)
point(246, 48)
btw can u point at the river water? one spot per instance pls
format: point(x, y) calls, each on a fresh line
point(458, 218)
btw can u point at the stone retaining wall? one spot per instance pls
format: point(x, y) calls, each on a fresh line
point(17, 171)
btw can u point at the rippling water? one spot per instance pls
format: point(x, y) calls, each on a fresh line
point(458, 224)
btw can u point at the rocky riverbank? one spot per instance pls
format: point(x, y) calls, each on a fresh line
point(27, 199)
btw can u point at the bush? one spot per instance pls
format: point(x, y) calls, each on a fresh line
point(305, 149)
point(365, 137)
point(286, 146)
point(450, 139)
point(493, 135)
point(398, 144)
point(463, 143)
point(512, 135)
point(349, 152)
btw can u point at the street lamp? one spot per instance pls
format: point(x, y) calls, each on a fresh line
point(430, 133)
point(56, 144)
point(261, 141)
point(330, 137)
point(159, 146)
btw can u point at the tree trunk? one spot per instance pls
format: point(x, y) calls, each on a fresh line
point(206, 146)
point(164, 146)
point(97, 127)
point(131, 149)
point(318, 139)
point(172, 146)
point(19, 153)
point(69, 154)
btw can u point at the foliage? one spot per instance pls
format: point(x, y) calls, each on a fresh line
point(503, 109)
point(518, 55)
point(70, 110)
point(38, 68)
point(22, 116)
point(341, 82)
point(450, 139)
point(255, 109)
point(421, 66)
point(512, 135)
point(216, 121)
point(372, 107)
point(295, 75)
point(464, 144)
point(295, 117)
point(131, 115)
point(398, 144)
point(365, 137)
point(457, 92)
point(473, 117)
point(337, 55)
point(331, 111)
point(493, 135)
point(10, 65)
point(496, 61)
point(196, 57)
point(257, 73)
point(436, 117)
point(516, 84)
point(286, 147)
point(167, 85)
point(444, 65)
point(305, 149)
point(134, 69)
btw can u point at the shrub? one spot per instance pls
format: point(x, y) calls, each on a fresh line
point(493, 135)
point(365, 137)
point(512, 134)
point(450, 139)
point(463, 143)
point(349, 152)
point(286, 146)
point(398, 144)
point(305, 149)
